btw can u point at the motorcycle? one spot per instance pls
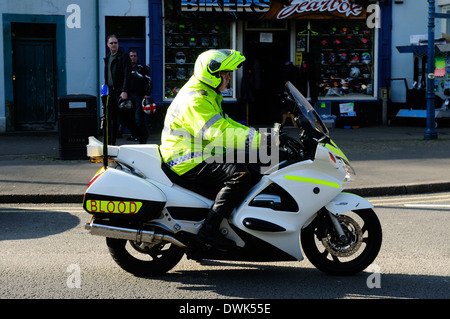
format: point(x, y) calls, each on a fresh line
point(150, 216)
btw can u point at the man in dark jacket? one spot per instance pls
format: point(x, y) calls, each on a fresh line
point(140, 88)
point(117, 76)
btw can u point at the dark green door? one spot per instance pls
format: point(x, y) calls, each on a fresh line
point(34, 83)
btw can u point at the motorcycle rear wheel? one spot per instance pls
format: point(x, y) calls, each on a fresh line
point(141, 260)
point(327, 253)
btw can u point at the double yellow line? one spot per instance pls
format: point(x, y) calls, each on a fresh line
point(414, 201)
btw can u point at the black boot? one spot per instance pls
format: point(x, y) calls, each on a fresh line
point(209, 233)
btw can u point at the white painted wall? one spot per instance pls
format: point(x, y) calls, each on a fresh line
point(84, 68)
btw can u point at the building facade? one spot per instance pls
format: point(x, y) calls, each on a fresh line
point(336, 51)
point(54, 48)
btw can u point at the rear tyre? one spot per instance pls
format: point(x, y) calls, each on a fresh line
point(143, 259)
point(328, 253)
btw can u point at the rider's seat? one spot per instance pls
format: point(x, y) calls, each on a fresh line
point(205, 191)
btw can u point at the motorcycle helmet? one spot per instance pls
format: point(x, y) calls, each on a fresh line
point(355, 58)
point(181, 74)
point(125, 104)
point(204, 41)
point(365, 43)
point(180, 58)
point(332, 57)
point(343, 57)
point(366, 58)
point(178, 41)
point(148, 106)
point(209, 64)
point(354, 72)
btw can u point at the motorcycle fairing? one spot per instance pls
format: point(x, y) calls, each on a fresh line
point(345, 202)
point(311, 183)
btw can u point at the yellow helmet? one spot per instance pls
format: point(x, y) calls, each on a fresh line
point(209, 64)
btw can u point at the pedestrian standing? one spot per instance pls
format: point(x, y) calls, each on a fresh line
point(140, 89)
point(117, 76)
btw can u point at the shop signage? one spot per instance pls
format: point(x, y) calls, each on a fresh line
point(320, 6)
point(292, 9)
point(225, 5)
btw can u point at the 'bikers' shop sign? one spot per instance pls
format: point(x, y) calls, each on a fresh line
point(238, 6)
point(288, 9)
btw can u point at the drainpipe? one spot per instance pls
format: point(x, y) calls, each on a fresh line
point(97, 54)
point(430, 133)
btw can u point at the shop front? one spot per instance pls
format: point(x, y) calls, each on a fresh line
point(325, 47)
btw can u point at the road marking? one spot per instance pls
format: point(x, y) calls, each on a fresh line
point(427, 200)
point(427, 205)
point(394, 199)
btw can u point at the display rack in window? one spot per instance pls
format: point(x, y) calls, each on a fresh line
point(346, 61)
point(183, 43)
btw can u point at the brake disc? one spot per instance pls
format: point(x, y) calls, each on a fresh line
point(338, 248)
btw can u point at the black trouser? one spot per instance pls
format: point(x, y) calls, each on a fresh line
point(126, 118)
point(231, 180)
point(139, 115)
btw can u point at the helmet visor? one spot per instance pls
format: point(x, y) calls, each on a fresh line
point(225, 60)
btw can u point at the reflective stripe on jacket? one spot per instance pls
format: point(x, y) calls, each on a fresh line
point(195, 128)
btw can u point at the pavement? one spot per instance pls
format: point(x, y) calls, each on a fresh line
point(388, 160)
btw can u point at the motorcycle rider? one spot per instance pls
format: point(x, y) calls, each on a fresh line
point(197, 133)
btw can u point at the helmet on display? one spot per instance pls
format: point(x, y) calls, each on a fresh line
point(125, 104)
point(148, 106)
point(366, 57)
point(354, 72)
point(343, 56)
point(180, 58)
point(209, 64)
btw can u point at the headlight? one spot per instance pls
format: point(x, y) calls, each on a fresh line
point(348, 168)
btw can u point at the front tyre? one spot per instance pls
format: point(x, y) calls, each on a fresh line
point(328, 253)
point(143, 259)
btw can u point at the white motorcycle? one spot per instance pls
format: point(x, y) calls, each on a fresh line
point(150, 216)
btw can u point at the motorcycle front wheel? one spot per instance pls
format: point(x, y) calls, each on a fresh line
point(330, 254)
point(142, 259)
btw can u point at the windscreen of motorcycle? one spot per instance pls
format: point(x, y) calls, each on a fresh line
point(307, 110)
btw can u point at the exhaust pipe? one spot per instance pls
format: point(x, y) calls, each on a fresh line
point(145, 236)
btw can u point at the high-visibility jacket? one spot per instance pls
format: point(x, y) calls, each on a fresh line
point(195, 128)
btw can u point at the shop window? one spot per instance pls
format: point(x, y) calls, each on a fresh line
point(342, 53)
point(185, 39)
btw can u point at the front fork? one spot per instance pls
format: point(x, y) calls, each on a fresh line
point(337, 226)
point(326, 216)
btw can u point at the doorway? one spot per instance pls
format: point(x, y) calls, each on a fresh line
point(131, 34)
point(266, 52)
point(34, 76)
